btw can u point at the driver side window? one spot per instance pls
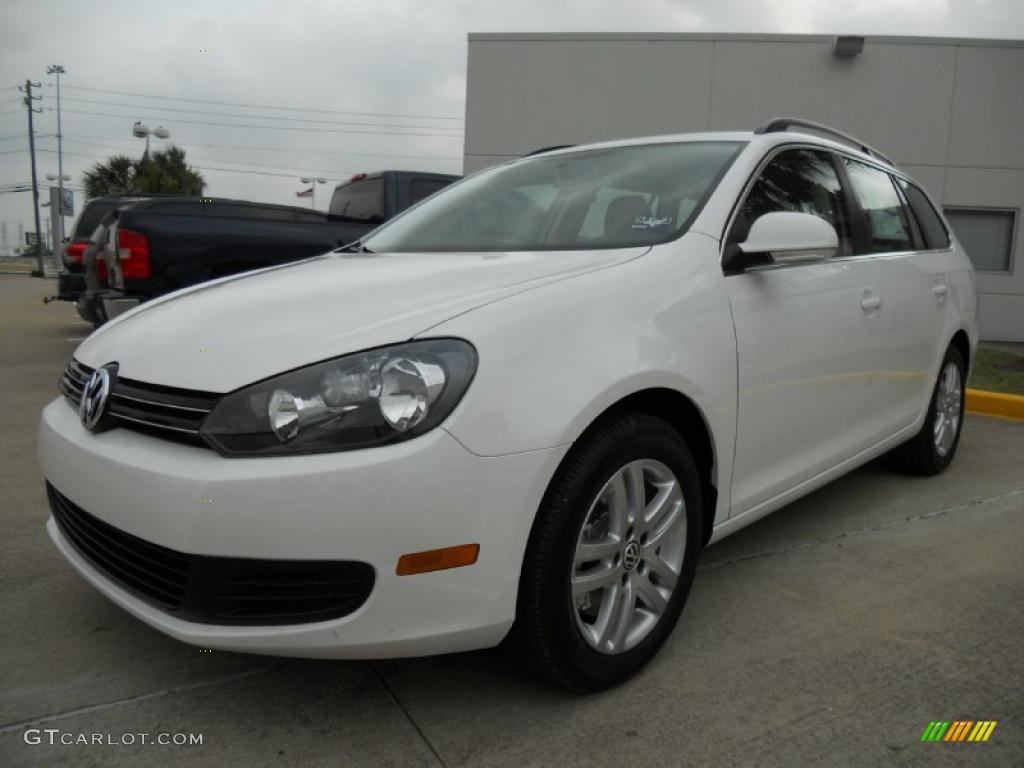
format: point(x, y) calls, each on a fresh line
point(797, 181)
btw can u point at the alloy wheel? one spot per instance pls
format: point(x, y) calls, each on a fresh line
point(628, 556)
point(948, 400)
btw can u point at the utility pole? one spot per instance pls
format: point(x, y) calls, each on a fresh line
point(29, 98)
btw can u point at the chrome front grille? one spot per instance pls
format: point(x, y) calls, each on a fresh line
point(72, 381)
point(168, 412)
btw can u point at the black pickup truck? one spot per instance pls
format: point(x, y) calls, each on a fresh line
point(157, 245)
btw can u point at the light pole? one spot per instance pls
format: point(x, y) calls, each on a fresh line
point(58, 70)
point(313, 181)
point(141, 131)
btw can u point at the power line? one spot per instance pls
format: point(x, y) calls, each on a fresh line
point(268, 149)
point(258, 117)
point(264, 106)
point(240, 162)
point(339, 175)
point(11, 112)
point(269, 127)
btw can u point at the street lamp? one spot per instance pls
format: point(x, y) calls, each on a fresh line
point(58, 70)
point(314, 180)
point(141, 131)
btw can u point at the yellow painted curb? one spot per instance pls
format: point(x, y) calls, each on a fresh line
point(995, 404)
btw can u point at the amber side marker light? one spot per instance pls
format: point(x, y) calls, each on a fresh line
point(437, 559)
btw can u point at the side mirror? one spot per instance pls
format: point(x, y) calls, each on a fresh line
point(786, 238)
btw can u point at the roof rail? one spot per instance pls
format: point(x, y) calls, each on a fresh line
point(779, 124)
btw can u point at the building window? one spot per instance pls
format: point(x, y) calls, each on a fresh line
point(986, 234)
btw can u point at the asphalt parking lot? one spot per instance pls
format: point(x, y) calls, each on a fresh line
point(830, 633)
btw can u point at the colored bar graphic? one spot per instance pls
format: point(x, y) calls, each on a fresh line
point(959, 730)
point(962, 729)
point(934, 731)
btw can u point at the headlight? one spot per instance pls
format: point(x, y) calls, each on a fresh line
point(357, 401)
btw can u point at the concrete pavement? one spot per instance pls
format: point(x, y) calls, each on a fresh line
point(830, 633)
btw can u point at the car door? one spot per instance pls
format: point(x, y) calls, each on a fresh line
point(912, 293)
point(933, 261)
point(802, 333)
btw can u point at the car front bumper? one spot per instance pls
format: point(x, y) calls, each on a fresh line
point(370, 505)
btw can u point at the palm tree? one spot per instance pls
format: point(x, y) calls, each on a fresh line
point(113, 177)
point(165, 171)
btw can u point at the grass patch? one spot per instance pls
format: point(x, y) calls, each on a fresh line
point(997, 371)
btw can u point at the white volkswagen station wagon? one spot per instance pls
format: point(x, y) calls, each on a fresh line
point(520, 410)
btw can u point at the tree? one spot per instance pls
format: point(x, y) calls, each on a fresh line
point(113, 177)
point(164, 171)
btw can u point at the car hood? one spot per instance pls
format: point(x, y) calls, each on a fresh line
point(225, 334)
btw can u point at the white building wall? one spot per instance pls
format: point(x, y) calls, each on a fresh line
point(949, 111)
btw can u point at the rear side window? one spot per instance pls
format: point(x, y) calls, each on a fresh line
point(361, 201)
point(798, 181)
point(421, 188)
point(90, 218)
point(884, 218)
point(935, 235)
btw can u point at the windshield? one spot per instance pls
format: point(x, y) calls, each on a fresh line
point(615, 197)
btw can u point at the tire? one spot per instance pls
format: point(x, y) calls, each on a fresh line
point(574, 641)
point(926, 453)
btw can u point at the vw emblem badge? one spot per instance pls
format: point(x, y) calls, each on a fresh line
point(631, 556)
point(95, 394)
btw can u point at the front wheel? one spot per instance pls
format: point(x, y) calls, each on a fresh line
point(932, 449)
point(612, 554)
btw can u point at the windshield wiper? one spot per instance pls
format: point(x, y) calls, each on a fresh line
point(356, 247)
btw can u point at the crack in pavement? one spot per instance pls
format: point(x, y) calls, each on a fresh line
point(408, 715)
point(870, 529)
point(8, 727)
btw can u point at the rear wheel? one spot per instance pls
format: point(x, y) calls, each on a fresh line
point(612, 554)
point(933, 448)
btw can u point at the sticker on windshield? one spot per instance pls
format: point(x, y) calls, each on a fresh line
point(651, 222)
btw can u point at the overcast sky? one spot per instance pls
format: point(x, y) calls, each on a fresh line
point(389, 75)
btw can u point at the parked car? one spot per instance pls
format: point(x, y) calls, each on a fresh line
point(161, 244)
point(367, 200)
point(518, 411)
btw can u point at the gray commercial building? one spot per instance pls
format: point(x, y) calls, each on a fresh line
point(949, 111)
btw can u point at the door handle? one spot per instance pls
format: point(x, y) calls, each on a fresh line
point(870, 303)
point(940, 290)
